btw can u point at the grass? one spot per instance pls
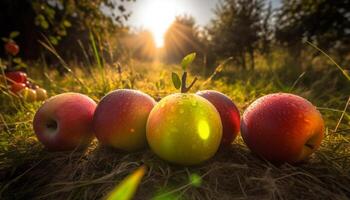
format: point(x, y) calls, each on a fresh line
point(28, 171)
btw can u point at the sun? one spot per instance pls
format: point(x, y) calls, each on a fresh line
point(157, 16)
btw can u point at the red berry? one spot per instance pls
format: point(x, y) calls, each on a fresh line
point(11, 48)
point(16, 87)
point(17, 76)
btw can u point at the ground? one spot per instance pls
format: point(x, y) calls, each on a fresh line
point(29, 171)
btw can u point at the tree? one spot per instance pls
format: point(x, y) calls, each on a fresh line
point(58, 20)
point(182, 38)
point(267, 32)
point(323, 22)
point(236, 29)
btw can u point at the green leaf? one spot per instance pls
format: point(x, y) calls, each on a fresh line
point(14, 34)
point(127, 188)
point(187, 60)
point(176, 80)
point(53, 40)
point(44, 24)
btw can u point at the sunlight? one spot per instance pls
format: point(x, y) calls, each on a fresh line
point(157, 17)
point(203, 130)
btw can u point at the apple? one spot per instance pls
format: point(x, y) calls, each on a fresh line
point(41, 94)
point(282, 128)
point(120, 119)
point(31, 85)
point(28, 94)
point(17, 76)
point(12, 48)
point(64, 122)
point(16, 87)
point(184, 129)
point(229, 114)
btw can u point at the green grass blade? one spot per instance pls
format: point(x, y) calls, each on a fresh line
point(127, 188)
point(331, 59)
point(98, 59)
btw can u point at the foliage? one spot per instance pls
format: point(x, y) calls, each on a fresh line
point(237, 29)
point(182, 38)
point(60, 20)
point(323, 22)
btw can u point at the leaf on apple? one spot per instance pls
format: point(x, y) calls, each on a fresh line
point(176, 80)
point(127, 188)
point(187, 60)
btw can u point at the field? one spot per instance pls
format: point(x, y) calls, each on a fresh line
point(28, 171)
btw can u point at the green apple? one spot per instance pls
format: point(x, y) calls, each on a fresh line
point(28, 94)
point(41, 94)
point(184, 129)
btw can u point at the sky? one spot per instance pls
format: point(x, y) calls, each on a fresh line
point(157, 15)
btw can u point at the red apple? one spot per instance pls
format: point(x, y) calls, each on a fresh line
point(64, 122)
point(12, 48)
point(41, 94)
point(229, 114)
point(17, 76)
point(16, 87)
point(282, 128)
point(120, 119)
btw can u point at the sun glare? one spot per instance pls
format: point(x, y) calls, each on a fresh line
point(157, 16)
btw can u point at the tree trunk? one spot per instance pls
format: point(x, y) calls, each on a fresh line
point(243, 61)
point(252, 60)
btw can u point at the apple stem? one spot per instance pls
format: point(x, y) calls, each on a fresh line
point(9, 62)
point(185, 89)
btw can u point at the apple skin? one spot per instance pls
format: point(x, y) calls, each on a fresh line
point(17, 76)
point(229, 114)
point(28, 94)
point(12, 48)
point(41, 94)
point(64, 122)
point(282, 128)
point(16, 87)
point(184, 129)
point(120, 119)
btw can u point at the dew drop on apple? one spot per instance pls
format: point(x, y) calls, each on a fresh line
point(194, 103)
point(307, 121)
